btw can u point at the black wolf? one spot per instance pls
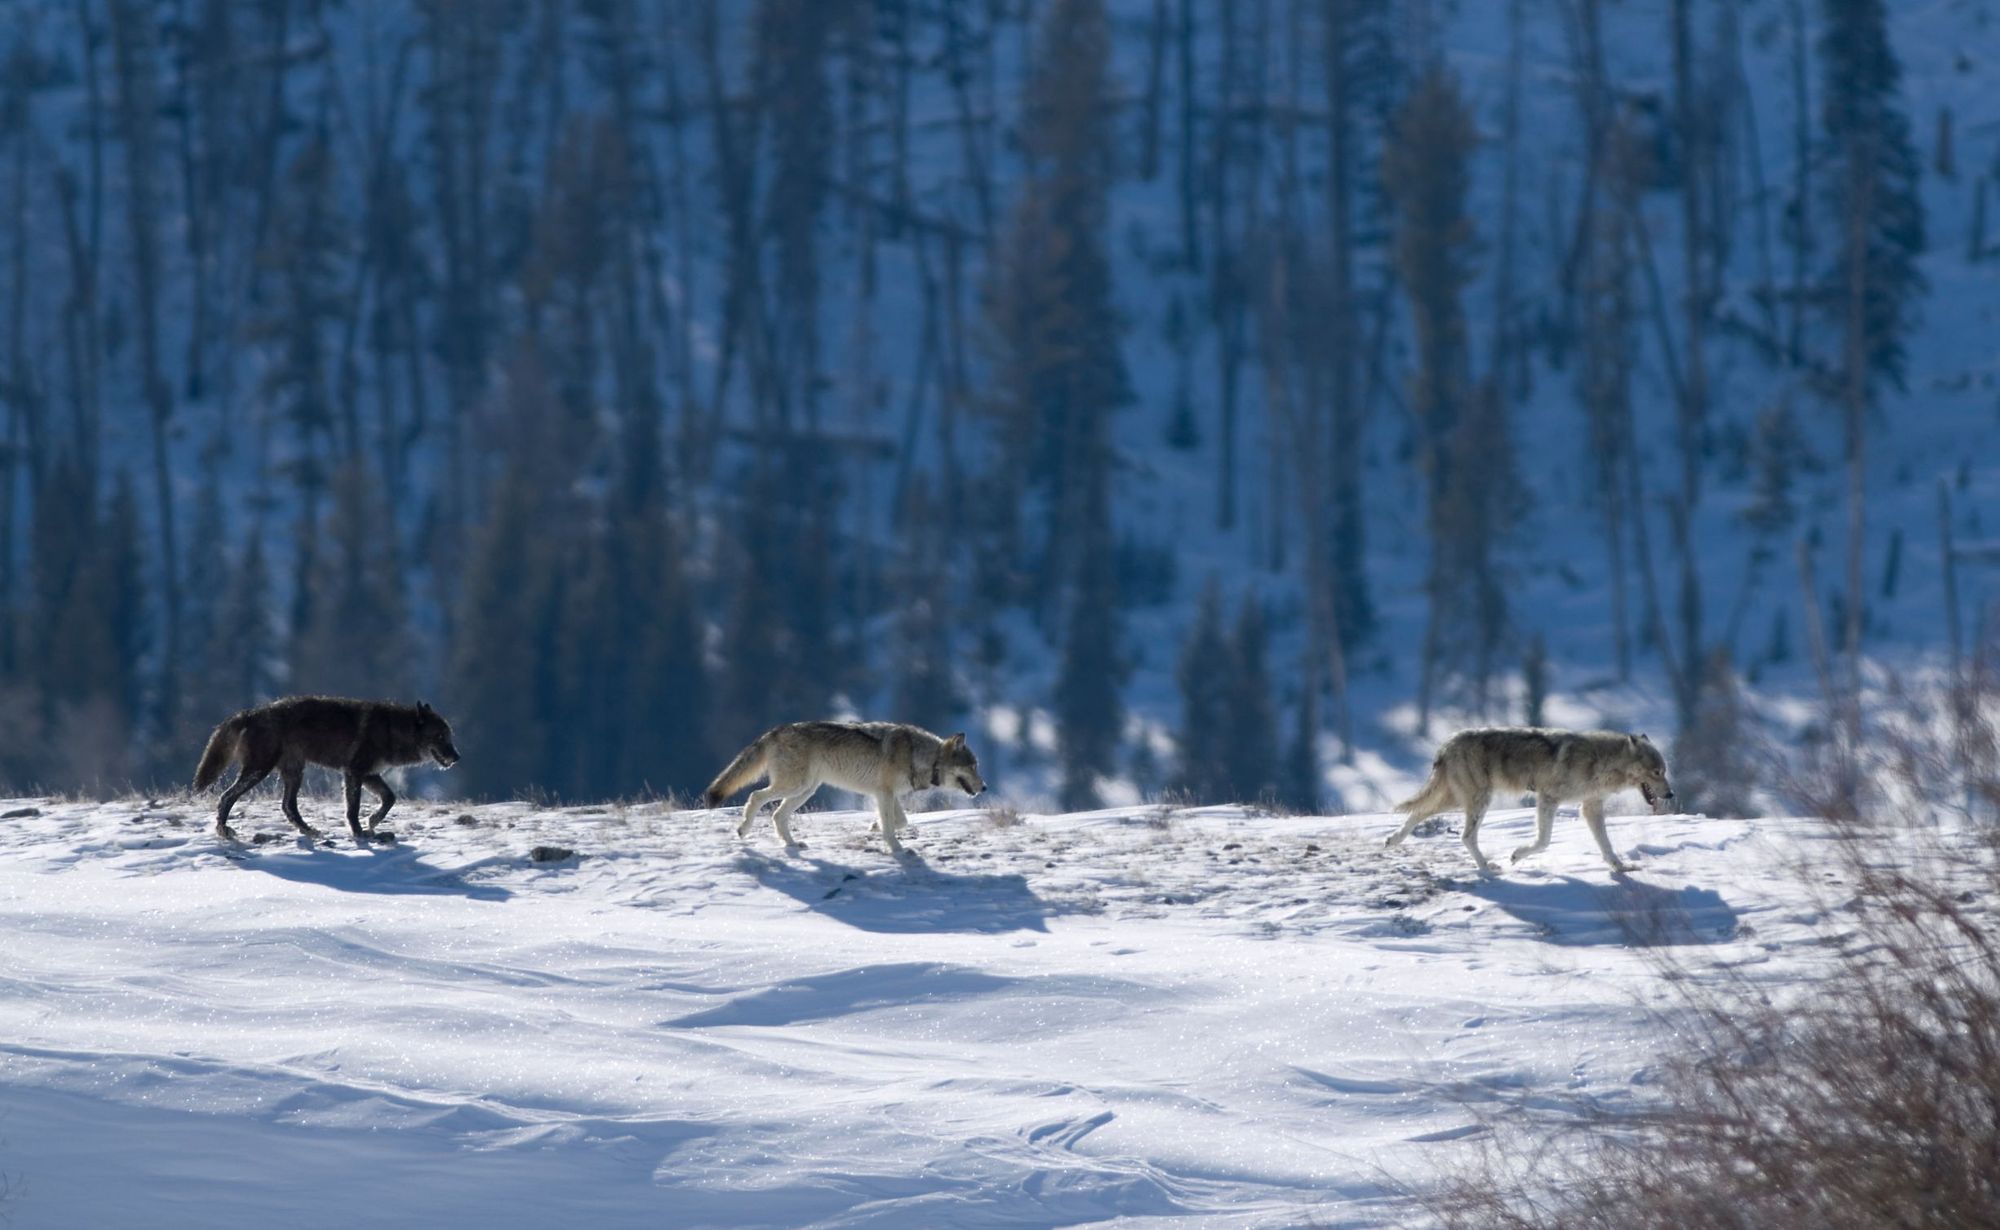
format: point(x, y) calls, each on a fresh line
point(358, 737)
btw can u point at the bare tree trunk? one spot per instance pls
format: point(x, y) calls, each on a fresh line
point(1156, 76)
point(972, 145)
point(1225, 299)
point(23, 392)
point(1801, 233)
point(1860, 194)
point(1190, 209)
point(1504, 325)
point(1694, 401)
point(133, 51)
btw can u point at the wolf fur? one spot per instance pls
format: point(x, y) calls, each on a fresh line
point(1558, 765)
point(879, 759)
point(358, 737)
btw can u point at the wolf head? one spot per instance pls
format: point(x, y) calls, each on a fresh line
point(1648, 772)
point(434, 736)
point(957, 766)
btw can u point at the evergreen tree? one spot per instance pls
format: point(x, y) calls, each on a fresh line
point(634, 683)
point(925, 691)
point(88, 627)
point(1049, 303)
point(675, 704)
point(502, 684)
point(120, 582)
point(1361, 76)
point(243, 648)
point(1089, 713)
point(1207, 697)
point(1714, 773)
point(1778, 455)
point(1300, 784)
point(777, 639)
point(1462, 439)
point(1251, 742)
point(1535, 681)
point(1873, 284)
point(354, 640)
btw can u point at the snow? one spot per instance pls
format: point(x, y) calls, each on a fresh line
point(1206, 1017)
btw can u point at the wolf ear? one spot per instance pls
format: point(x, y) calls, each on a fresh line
point(424, 708)
point(1633, 740)
point(957, 740)
point(1643, 738)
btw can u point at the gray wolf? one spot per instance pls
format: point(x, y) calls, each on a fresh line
point(1558, 765)
point(878, 759)
point(358, 737)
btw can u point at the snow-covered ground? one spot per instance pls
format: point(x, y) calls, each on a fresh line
point(1209, 1017)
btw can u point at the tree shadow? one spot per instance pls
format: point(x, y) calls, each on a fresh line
point(908, 897)
point(396, 869)
point(1625, 911)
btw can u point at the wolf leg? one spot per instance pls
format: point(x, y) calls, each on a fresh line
point(351, 781)
point(889, 813)
point(781, 817)
point(756, 800)
point(1593, 816)
point(245, 782)
point(381, 789)
point(293, 776)
point(1417, 816)
point(1475, 812)
point(1545, 821)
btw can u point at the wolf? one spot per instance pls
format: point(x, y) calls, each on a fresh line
point(358, 737)
point(1558, 765)
point(878, 759)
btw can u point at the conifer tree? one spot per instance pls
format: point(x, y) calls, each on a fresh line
point(1872, 286)
point(1251, 743)
point(925, 691)
point(1461, 428)
point(1205, 670)
point(1089, 713)
point(1049, 306)
point(502, 681)
point(354, 640)
point(1299, 784)
point(239, 662)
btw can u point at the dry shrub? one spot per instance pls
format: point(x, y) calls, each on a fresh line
point(1872, 1099)
point(1869, 1096)
point(1002, 816)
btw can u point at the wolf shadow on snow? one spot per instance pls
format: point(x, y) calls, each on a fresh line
point(910, 898)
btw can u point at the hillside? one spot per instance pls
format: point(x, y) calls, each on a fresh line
point(550, 360)
point(1205, 1017)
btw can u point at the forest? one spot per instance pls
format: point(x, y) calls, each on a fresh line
point(1173, 378)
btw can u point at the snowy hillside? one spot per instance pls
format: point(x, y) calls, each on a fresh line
point(1204, 1017)
point(545, 360)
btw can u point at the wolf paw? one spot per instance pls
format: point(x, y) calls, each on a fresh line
point(1521, 853)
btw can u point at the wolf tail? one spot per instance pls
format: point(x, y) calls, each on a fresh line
point(1435, 794)
point(746, 768)
point(220, 751)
